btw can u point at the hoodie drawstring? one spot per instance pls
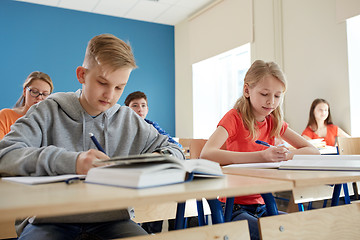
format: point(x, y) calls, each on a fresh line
point(106, 134)
point(83, 131)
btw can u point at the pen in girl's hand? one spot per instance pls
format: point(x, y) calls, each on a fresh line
point(97, 144)
point(268, 145)
point(263, 143)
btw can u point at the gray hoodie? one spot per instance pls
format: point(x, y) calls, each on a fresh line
point(48, 139)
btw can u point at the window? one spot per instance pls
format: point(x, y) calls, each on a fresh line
point(217, 84)
point(353, 36)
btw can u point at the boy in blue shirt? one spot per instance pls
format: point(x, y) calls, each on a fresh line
point(138, 102)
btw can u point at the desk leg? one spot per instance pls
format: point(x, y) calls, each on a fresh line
point(270, 204)
point(229, 209)
point(301, 207)
point(216, 211)
point(200, 209)
point(336, 195)
point(346, 192)
point(180, 212)
point(356, 194)
point(325, 203)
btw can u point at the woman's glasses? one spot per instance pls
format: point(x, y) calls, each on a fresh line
point(35, 93)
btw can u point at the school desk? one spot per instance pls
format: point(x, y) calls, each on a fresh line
point(303, 179)
point(19, 200)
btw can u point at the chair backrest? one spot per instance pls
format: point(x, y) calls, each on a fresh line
point(196, 145)
point(349, 146)
point(341, 222)
point(185, 143)
point(7, 229)
point(231, 230)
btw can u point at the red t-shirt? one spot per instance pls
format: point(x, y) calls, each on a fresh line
point(331, 134)
point(238, 141)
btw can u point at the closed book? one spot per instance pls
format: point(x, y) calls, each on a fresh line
point(323, 162)
point(151, 170)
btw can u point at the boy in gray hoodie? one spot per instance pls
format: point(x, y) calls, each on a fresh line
point(53, 139)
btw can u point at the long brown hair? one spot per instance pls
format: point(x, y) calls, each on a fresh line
point(34, 76)
point(312, 121)
point(258, 70)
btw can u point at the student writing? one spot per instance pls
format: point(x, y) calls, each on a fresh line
point(320, 124)
point(37, 87)
point(257, 115)
point(53, 138)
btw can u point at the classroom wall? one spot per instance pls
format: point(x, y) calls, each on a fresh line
point(202, 36)
point(53, 40)
point(308, 43)
point(315, 61)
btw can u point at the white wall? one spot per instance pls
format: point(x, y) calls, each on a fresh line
point(304, 38)
point(315, 61)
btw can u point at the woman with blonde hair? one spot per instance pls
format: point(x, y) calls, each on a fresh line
point(37, 87)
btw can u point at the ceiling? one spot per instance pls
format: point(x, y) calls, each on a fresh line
point(168, 12)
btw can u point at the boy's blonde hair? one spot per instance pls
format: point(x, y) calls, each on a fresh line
point(108, 50)
point(37, 75)
point(258, 70)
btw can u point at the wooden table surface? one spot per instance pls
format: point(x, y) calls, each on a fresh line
point(19, 200)
point(300, 178)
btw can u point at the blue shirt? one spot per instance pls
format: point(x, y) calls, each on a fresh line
point(162, 131)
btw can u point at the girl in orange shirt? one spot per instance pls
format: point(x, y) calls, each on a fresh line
point(257, 115)
point(320, 124)
point(37, 87)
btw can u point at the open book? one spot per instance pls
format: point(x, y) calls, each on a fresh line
point(323, 162)
point(151, 170)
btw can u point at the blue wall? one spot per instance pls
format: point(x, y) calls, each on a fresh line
point(53, 40)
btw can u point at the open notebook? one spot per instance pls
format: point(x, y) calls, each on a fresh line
point(43, 179)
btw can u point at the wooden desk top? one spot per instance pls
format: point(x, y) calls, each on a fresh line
point(300, 178)
point(19, 200)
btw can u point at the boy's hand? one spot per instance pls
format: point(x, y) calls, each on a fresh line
point(89, 159)
point(276, 154)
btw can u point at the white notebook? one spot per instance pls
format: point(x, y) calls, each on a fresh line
point(323, 162)
point(42, 179)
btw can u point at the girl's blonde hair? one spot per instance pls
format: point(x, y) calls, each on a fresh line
point(258, 70)
point(108, 50)
point(28, 81)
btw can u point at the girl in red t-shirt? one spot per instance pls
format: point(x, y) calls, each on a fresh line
point(257, 115)
point(320, 124)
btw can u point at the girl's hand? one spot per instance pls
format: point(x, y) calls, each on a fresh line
point(89, 159)
point(276, 154)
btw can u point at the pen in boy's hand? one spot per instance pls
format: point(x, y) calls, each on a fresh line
point(72, 180)
point(97, 144)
